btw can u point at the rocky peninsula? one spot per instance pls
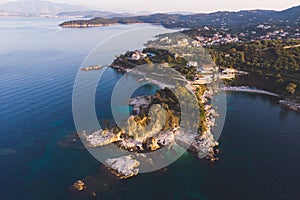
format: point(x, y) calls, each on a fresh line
point(161, 121)
point(142, 136)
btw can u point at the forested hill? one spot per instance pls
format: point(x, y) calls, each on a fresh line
point(217, 19)
point(275, 59)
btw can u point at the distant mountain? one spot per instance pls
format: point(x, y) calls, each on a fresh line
point(245, 18)
point(93, 13)
point(181, 12)
point(144, 12)
point(173, 12)
point(32, 7)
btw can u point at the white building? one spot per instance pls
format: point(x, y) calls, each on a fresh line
point(192, 64)
point(137, 55)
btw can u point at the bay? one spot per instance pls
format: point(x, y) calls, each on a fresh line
point(39, 62)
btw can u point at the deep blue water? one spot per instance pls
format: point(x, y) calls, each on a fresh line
point(260, 141)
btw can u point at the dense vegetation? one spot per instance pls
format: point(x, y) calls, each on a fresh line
point(278, 59)
point(270, 59)
point(100, 20)
point(165, 97)
point(158, 56)
point(170, 102)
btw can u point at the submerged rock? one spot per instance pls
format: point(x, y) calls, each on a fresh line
point(124, 166)
point(71, 141)
point(7, 151)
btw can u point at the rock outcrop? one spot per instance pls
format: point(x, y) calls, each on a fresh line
point(93, 67)
point(139, 103)
point(124, 166)
point(167, 138)
point(292, 105)
point(79, 185)
point(152, 144)
point(100, 138)
point(202, 145)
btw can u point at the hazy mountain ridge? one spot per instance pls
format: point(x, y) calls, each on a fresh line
point(226, 18)
point(94, 13)
point(217, 19)
point(40, 8)
point(28, 7)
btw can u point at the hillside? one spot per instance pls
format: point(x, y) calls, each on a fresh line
point(276, 61)
point(217, 19)
point(92, 14)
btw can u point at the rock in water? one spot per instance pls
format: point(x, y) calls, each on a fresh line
point(100, 138)
point(79, 185)
point(124, 166)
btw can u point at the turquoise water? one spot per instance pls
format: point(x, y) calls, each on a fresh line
point(39, 61)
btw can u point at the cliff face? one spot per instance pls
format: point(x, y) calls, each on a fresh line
point(158, 118)
point(161, 113)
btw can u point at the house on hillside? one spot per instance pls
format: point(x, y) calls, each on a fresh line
point(137, 55)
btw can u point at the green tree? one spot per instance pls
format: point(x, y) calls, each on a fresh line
point(291, 88)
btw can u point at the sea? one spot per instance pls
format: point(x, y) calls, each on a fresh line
point(39, 61)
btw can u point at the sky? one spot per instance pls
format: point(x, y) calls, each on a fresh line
point(179, 5)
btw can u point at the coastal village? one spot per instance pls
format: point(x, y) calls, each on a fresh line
point(208, 36)
point(205, 73)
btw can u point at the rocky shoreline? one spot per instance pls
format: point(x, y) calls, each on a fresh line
point(292, 105)
point(127, 166)
point(154, 78)
point(93, 67)
point(138, 102)
point(124, 166)
point(159, 121)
